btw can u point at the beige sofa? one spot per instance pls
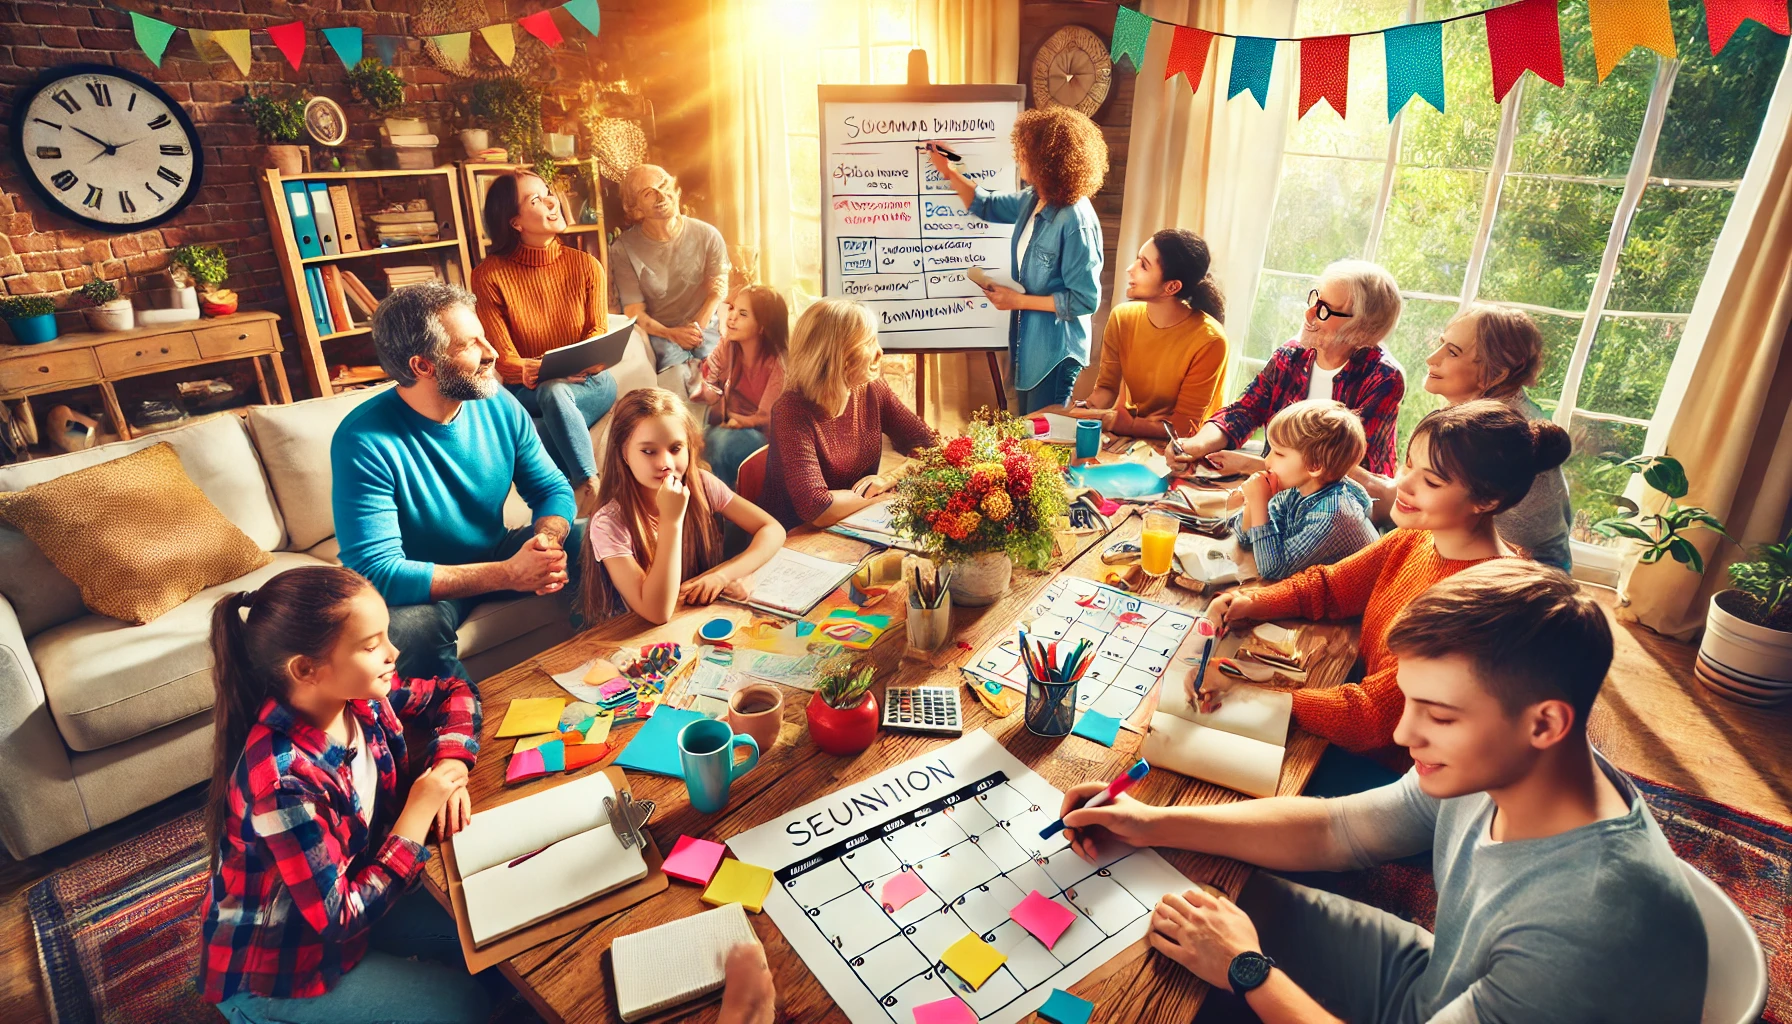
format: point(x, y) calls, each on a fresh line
point(99, 718)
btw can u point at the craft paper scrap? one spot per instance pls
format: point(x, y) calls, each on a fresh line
point(599, 729)
point(600, 672)
point(1098, 727)
point(524, 765)
point(1065, 1008)
point(1046, 919)
point(577, 712)
point(529, 716)
point(553, 755)
point(950, 1010)
point(901, 889)
point(973, 960)
point(531, 742)
point(654, 748)
point(581, 754)
point(737, 882)
point(694, 860)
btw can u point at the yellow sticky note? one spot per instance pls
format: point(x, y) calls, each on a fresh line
point(600, 729)
point(973, 959)
point(528, 716)
point(531, 742)
point(745, 884)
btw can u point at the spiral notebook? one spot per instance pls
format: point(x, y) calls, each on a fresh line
point(792, 583)
point(676, 962)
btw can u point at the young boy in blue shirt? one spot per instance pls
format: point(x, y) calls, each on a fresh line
point(1301, 510)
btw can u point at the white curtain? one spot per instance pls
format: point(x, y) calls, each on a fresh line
point(749, 176)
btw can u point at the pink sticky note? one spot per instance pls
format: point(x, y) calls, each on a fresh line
point(1046, 919)
point(525, 764)
point(901, 889)
point(614, 687)
point(946, 1011)
point(694, 860)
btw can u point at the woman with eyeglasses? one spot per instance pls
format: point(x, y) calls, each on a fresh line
point(1338, 354)
point(671, 273)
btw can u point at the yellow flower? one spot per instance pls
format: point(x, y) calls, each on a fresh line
point(997, 506)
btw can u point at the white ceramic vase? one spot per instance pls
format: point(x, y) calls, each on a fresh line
point(982, 580)
point(112, 316)
point(475, 141)
point(1752, 664)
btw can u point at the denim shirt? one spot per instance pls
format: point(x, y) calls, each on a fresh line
point(1063, 260)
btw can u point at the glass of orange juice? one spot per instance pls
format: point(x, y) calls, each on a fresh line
point(1159, 543)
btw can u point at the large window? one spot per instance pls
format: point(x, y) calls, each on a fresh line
point(1593, 207)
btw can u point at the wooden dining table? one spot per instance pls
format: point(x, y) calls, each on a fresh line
point(565, 979)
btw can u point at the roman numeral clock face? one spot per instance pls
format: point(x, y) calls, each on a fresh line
point(106, 147)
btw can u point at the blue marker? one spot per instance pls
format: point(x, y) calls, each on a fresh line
point(1106, 796)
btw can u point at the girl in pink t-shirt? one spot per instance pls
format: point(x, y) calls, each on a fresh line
point(646, 498)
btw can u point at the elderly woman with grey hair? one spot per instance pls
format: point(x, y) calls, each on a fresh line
point(1338, 354)
point(671, 273)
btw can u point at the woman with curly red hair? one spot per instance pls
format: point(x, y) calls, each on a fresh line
point(1057, 247)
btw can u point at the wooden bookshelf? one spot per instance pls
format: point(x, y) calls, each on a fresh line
point(475, 177)
point(368, 192)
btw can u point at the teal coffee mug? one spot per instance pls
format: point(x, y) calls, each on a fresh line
point(706, 750)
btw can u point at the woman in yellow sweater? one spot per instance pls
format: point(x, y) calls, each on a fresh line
point(536, 295)
point(1166, 348)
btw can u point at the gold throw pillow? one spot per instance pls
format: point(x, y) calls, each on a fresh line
point(136, 534)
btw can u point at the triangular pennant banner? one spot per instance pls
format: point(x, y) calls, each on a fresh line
point(1253, 58)
point(152, 36)
point(1620, 26)
point(541, 26)
point(584, 12)
point(1415, 64)
point(454, 46)
point(387, 48)
point(347, 44)
point(1525, 36)
point(1188, 55)
point(1131, 30)
point(208, 48)
point(502, 40)
point(1724, 17)
point(290, 38)
point(1324, 72)
point(235, 42)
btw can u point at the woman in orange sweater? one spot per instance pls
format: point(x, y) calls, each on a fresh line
point(536, 295)
point(1464, 465)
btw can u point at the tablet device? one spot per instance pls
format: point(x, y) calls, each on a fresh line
point(606, 348)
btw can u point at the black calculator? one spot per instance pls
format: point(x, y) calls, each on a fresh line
point(931, 709)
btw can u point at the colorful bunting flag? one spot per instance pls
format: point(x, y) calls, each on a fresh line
point(1253, 58)
point(1415, 65)
point(541, 26)
point(347, 44)
point(290, 38)
point(502, 40)
point(1524, 36)
point(228, 42)
point(1131, 31)
point(387, 48)
point(1188, 55)
point(1620, 26)
point(152, 36)
point(454, 46)
point(207, 47)
point(1324, 72)
point(1724, 17)
point(585, 12)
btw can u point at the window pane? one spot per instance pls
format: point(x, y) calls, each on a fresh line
point(839, 22)
point(840, 66)
point(1276, 316)
point(1589, 127)
point(1668, 247)
point(1598, 447)
point(1547, 239)
point(889, 65)
point(802, 67)
point(1421, 321)
point(1718, 103)
point(1322, 212)
point(1464, 134)
point(1559, 334)
point(804, 154)
point(1430, 228)
point(1627, 364)
point(893, 21)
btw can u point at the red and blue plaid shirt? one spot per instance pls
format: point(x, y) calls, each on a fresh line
point(301, 878)
point(1370, 382)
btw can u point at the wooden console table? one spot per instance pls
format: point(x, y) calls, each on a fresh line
point(99, 358)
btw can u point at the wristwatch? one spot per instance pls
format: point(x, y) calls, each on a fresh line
point(1248, 970)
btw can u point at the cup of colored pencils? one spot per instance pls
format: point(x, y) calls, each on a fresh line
point(929, 606)
point(1052, 675)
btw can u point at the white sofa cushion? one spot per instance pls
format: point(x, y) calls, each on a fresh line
point(294, 443)
point(107, 681)
point(215, 452)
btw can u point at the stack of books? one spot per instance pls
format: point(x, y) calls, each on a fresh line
point(398, 277)
point(407, 228)
point(413, 152)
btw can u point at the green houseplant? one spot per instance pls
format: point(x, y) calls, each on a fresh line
point(281, 124)
point(31, 317)
point(205, 267)
point(376, 85)
point(512, 108)
point(843, 712)
point(109, 312)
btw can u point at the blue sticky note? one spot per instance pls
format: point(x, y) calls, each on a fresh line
point(553, 755)
point(1098, 727)
point(654, 749)
point(1066, 1008)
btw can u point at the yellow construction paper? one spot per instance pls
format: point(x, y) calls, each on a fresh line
point(531, 742)
point(745, 884)
point(973, 959)
point(502, 40)
point(1620, 26)
point(600, 728)
point(529, 716)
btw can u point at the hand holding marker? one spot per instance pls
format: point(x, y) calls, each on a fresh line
point(1103, 798)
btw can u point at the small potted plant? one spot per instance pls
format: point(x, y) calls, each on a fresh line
point(204, 267)
point(512, 109)
point(31, 317)
point(281, 123)
point(381, 88)
point(109, 312)
point(843, 712)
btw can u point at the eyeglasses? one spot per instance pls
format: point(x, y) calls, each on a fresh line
point(1323, 310)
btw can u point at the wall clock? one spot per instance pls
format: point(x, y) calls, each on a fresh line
point(106, 147)
point(1072, 69)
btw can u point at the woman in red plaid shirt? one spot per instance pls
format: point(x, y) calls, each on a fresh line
point(1338, 354)
point(311, 915)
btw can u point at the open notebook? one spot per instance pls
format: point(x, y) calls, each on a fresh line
point(1239, 746)
point(583, 857)
point(676, 962)
point(792, 583)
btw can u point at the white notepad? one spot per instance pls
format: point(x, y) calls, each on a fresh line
point(676, 962)
point(792, 583)
point(583, 857)
point(1239, 746)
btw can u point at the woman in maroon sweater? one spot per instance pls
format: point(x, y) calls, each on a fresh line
point(827, 428)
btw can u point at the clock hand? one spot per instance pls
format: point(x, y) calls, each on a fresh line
point(110, 148)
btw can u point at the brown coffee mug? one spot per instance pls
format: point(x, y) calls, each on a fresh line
point(757, 710)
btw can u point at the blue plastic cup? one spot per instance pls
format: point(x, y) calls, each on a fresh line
point(1088, 438)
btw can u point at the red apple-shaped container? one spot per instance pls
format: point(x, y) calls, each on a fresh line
point(843, 732)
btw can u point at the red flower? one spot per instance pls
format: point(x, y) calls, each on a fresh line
point(1019, 468)
point(958, 451)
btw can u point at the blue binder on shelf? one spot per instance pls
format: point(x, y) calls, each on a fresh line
point(325, 217)
point(304, 225)
point(320, 308)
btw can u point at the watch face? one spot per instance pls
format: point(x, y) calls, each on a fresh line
point(1249, 970)
point(106, 147)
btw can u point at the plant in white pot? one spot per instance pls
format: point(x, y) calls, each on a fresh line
point(109, 312)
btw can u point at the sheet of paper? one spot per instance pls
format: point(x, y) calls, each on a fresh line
point(525, 765)
point(1250, 766)
point(655, 747)
point(872, 517)
point(973, 960)
point(1253, 712)
point(531, 742)
point(901, 889)
point(1094, 725)
point(694, 860)
point(738, 882)
point(531, 716)
point(660, 967)
point(502, 899)
point(1059, 429)
point(793, 583)
point(510, 830)
point(573, 681)
point(1045, 919)
point(950, 1010)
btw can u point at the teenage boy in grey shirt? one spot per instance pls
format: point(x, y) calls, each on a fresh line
point(1558, 899)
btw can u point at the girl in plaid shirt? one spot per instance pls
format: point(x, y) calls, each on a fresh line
point(314, 845)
